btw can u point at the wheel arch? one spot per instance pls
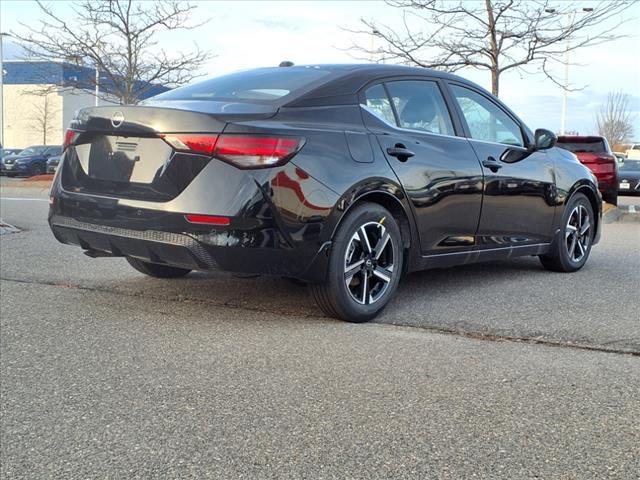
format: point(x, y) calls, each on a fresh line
point(593, 196)
point(396, 208)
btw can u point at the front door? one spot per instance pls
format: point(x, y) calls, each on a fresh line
point(518, 206)
point(438, 170)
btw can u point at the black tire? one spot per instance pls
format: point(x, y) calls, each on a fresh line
point(564, 255)
point(36, 169)
point(337, 296)
point(156, 270)
point(611, 198)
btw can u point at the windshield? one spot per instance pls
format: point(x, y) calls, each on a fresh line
point(631, 165)
point(263, 85)
point(27, 152)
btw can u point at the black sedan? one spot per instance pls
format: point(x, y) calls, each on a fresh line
point(629, 178)
point(342, 176)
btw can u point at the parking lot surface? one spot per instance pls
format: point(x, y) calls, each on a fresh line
point(491, 370)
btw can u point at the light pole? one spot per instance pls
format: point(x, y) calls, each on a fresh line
point(97, 92)
point(565, 90)
point(2, 35)
point(374, 32)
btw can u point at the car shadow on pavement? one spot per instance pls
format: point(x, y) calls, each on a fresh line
point(284, 296)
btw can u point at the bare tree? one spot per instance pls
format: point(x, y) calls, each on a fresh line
point(45, 111)
point(119, 39)
point(614, 120)
point(493, 35)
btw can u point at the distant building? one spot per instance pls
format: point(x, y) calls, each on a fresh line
point(40, 99)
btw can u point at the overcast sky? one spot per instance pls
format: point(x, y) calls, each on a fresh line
point(251, 34)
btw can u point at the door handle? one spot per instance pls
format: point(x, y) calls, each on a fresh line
point(492, 164)
point(400, 152)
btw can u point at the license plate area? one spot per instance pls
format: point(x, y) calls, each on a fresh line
point(624, 186)
point(124, 159)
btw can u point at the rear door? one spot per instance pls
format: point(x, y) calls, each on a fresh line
point(519, 195)
point(438, 170)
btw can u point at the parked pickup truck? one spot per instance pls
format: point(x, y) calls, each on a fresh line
point(634, 152)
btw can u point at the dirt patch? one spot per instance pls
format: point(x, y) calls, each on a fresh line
point(38, 181)
point(47, 177)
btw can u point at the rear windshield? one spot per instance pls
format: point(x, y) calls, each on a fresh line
point(261, 85)
point(631, 165)
point(596, 146)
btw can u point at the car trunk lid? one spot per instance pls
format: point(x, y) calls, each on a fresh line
point(119, 151)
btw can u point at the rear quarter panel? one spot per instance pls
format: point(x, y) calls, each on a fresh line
point(572, 176)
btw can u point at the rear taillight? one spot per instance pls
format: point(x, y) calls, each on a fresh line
point(243, 151)
point(603, 165)
point(253, 151)
point(191, 142)
point(70, 137)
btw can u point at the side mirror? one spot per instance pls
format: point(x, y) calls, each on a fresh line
point(46, 155)
point(544, 139)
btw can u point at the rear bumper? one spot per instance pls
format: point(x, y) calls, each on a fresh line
point(263, 237)
point(195, 251)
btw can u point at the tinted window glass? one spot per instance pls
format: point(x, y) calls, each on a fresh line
point(485, 119)
point(420, 106)
point(263, 85)
point(54, 151)
point(631, 166)
point(32, 151)
point(596, 146)
point(377, 102)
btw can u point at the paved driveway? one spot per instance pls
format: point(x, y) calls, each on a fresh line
point(472, 372)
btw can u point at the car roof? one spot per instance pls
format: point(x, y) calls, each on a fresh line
point(347, 79)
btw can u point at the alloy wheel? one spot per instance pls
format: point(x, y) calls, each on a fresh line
point(369, 263)
point(578, 233)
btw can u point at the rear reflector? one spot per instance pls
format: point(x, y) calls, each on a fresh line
point(70, 137)
point(189, 142)
point(207, 219)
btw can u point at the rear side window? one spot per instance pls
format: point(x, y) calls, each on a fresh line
point(54, 151)
point(262, 85)
point(486, 121)
point(377, 102)
point(594, 145)
point(420, 106)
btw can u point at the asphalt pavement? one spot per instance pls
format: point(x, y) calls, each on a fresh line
point(496, 370)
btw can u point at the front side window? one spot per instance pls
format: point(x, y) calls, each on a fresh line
point(420, 106)
point(486, 121)
point(377, 102)
point(28, 152)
